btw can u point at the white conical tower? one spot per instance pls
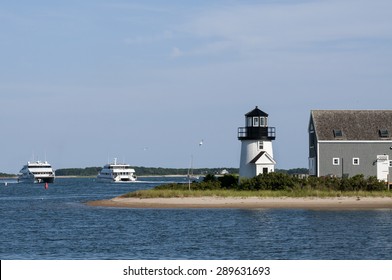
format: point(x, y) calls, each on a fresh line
point(256, 145)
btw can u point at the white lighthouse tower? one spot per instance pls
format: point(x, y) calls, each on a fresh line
point(256, 145)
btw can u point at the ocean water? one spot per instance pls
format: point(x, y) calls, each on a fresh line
point(56, 224)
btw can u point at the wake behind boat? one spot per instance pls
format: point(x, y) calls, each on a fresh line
point(36, 172)
point(117, 172)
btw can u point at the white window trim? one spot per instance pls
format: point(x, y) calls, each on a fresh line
point(336, 161)
point(260, 145)
point(356, 161)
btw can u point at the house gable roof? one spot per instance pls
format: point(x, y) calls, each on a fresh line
point(263, 158)
point(352, 124)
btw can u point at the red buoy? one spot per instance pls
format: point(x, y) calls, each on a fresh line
point(46, 186)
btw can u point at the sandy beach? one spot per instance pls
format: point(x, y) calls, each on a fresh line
point(248, 203)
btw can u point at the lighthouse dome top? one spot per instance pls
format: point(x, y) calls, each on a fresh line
point(256, 112)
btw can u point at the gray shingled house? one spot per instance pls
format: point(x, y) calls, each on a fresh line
point(345, 143)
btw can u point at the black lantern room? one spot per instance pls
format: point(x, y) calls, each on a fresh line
point(256, 127)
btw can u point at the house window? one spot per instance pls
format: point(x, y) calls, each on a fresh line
point(355, 161)
point(384, 133)
point(337, 133)
point(336, 161)
point(390, 163)
point(261, 145)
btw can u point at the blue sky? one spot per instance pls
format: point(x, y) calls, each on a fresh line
point(145, 81)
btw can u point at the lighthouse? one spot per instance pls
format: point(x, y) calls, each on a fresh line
point(256, 145)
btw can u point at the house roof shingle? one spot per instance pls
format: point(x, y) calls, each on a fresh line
point(353, 124)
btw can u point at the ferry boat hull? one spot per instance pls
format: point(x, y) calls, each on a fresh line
point(36, 172)
point(35, 180)
point(117, 179)
point(117, 173)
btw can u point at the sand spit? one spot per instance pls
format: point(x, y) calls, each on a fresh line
point(249, 203)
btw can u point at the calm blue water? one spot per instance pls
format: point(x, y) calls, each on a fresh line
point(55, 224)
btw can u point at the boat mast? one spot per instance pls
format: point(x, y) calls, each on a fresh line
point(190, 173)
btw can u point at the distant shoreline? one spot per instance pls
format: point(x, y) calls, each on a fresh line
point(341, 203)
point(76, 177)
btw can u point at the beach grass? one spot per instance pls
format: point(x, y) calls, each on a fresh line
point(168, 193)
point(271, 185)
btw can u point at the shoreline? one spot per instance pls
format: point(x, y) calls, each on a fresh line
point(341, 203)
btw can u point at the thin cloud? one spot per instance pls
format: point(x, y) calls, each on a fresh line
point(176, 52)
point(290, 26)
point(139, 40)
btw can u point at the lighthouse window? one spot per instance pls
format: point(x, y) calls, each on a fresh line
point(256, 121)
point(261, 145)
point(249, 122)
point(262, 121)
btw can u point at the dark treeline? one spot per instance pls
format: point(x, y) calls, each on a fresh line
point(144, 171)
point(159, 171)
point(293, 171)
point(5, 175)
point(88, 171)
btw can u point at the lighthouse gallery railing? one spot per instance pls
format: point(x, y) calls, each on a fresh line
point(257, 133)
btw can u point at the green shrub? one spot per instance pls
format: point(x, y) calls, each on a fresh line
point(228, 181)
point(373, 184)
point(269, 181)
point(283, 182)
point(209, 178)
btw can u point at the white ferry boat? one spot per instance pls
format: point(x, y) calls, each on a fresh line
point(117, 172)
point(37, 172)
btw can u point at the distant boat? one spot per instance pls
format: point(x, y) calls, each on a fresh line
point(117, 172)
point(37, 172)
point(190, 174)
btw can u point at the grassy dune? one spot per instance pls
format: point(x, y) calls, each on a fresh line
point(162, 193)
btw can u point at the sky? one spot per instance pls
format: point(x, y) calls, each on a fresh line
point(83, 82)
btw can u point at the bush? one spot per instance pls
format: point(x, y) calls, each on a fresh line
point(209, 178)
point(209, 185)
point(270, 181)
point(373, 184)
point(280, 181)
point(229, 181)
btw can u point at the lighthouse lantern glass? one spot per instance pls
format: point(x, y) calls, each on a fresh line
point(249, 121)
point(255, 121)
point(262, 121)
